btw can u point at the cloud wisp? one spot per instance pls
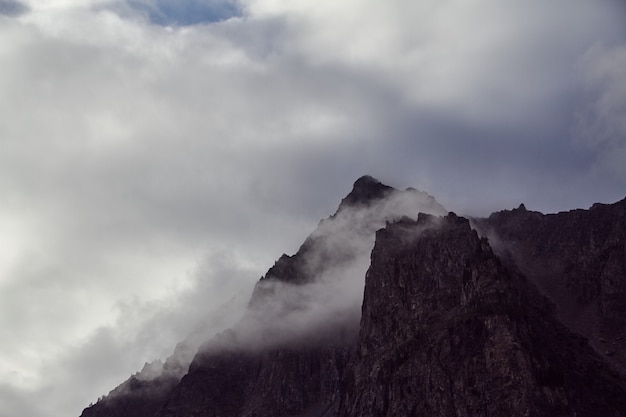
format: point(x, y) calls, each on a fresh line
point(332, 262)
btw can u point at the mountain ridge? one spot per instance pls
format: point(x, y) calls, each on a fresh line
point(578, 259)
point(298, 351)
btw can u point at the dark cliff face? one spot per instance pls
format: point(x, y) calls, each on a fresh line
point(448, 330)
point(134, 397)
point(578, 259)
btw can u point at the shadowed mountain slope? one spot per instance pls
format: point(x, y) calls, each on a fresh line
point(578, 259)
point(448, 330)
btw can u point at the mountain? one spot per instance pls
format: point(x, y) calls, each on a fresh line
point(305, 311)
point(447, 329)
point(457, 317)
point(578, 259)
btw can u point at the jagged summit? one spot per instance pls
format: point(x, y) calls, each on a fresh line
point(366, 208)
point(364, 191)
point(367, 181)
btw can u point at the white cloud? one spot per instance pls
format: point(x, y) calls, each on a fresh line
point(131, 149)
point(484, 60)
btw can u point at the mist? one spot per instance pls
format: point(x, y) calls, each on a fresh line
point(334, 258)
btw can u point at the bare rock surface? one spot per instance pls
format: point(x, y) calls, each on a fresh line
point(577, 259)
point(447, 330)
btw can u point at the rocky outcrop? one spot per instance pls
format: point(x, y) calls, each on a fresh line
point(146, 391)
point(137, 396)
point(364, 210)
point(448, 330)
point(364, 191)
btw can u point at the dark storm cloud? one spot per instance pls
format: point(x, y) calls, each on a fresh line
point(501, 104)
point(12, 8)
point(536, 164)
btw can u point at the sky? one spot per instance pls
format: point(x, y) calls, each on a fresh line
point(157, 156)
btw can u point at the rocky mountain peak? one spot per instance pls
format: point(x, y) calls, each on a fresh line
point(364, 191)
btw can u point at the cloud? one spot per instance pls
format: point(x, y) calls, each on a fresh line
point(16, 401)
point(133, 149)
point(454, 56)
point(601, 124)
point(140, 331)
point(12, 8)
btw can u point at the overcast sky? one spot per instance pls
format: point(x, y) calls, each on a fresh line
point(157, 156)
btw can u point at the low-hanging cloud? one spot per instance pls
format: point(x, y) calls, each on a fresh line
point(335, 259)
point(143, 332)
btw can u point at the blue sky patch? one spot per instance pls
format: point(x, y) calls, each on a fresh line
point(12, 8)
point(186, 12)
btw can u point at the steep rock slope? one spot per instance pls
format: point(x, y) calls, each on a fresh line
point(448, 330)
point(578, 259)
point(285, 381)
point(288, 354)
